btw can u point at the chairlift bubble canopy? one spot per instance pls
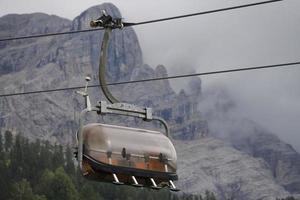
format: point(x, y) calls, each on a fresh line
point(127, 151)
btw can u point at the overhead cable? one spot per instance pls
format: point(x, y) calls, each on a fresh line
point(159, 78)
point(50, 34)
point(201, 13)
point(127, 24)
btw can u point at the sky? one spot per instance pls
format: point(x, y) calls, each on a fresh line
point(262, 35)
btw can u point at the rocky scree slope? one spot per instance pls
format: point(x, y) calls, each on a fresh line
point(210, 164)
point(226, 123)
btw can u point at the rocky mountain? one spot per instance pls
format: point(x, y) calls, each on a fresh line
point(210, 164)
point(217, 150)
point(247, 136)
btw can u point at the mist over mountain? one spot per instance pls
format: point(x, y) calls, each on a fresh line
point(218, 149)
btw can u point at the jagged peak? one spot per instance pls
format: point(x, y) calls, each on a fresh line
point(194, 86)
point(33, 23)
point(142, 72)
point(39, 15)
point(182, 94)
point(161, 71)
point(19, 21)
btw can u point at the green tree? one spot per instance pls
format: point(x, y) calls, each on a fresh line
point(17, 158)
point(69, 167)
point(1, 143)
point(63, 186)
point(209, 195)
point(4, 179)
point(23, 191)
point(44, 183)
point(87, 192)
point(31, 159)
point(57, 185)
point(45, 156)
point(8, 140)
point(58, 157)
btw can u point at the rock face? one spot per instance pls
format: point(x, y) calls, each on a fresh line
point(282, 159)
point(16, 55)
point(254, 164)
point(248, 136)
point(209, 164)
point(54, 63)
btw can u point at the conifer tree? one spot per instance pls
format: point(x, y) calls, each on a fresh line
point(17, 159)
point(87, 192)
point(44, 182)
point(59, 186)
point(209, 195)
point(4, 179)
point(45, 158)
point(58, 157)
point(1, 143)
point(69, 167)
point(23, 191)
point(8, 140)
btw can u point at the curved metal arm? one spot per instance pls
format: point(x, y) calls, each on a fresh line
point(161, 120)
point(102, 66)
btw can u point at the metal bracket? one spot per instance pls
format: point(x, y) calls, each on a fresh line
point(130, 110)
point(85, 94)
point(124, 109)
point(106, 21)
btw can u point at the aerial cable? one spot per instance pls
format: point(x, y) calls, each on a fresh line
point(127, 24)
point(200, 13)
point(159, 78)
point(50, 34)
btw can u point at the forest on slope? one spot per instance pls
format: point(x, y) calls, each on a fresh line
point(38, 170)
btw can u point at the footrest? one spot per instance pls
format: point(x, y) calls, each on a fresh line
point(135, 182)
point(116, 180)
point(118, 183)
point(154, 185)
point(173, 187)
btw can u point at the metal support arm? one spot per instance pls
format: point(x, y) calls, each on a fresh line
point(102, 66)
point(164, 123)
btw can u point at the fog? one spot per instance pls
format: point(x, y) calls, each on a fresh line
point(261, 35)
